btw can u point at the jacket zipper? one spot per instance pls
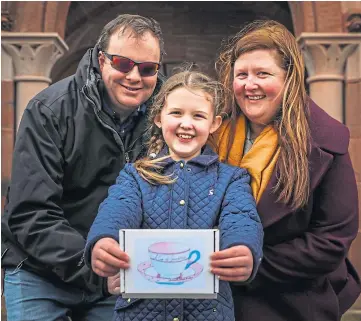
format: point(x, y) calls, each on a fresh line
point(131, 145)
point(170, 210)
point(104, 123)
point(186, 194)
point(127, 158)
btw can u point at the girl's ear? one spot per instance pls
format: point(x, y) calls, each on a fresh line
point(157, 121)
point(216, 123)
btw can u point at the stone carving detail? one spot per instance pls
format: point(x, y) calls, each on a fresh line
point(330, 59)
point(326, 54)
point(33, 55)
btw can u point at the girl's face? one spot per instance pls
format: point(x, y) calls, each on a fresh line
point(186, 120)
point(259, 85)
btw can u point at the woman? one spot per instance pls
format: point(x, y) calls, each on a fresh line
point(302, 179)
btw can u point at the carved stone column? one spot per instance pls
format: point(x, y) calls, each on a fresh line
point(325, 57)
point(33, 56)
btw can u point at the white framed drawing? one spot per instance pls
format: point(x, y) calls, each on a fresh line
point(169, 263)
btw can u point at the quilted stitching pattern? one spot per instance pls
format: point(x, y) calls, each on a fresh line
point(213, 194)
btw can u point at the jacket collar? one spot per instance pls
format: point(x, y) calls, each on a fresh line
point(206, 158)
point(327, 135)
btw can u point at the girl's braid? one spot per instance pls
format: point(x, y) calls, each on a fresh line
point(156, 142)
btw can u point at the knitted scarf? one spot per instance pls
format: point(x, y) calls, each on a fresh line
point(260, 160)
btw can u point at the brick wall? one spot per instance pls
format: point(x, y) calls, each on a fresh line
point(353, 122)
point(7, 143)
point(7, 133)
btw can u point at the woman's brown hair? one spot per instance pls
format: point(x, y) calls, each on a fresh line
point(291, 123)
point(149, 167)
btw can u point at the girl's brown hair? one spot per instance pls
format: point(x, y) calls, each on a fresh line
point(149, 167)
point(292, 121)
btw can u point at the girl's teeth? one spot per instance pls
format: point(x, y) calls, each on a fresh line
point(255, 97)
point(185, 136)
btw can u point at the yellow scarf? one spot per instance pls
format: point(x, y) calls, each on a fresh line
point(260, 160)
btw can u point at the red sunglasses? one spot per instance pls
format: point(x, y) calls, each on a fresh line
point(124, 64)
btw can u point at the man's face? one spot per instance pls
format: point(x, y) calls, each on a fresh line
point(129, 90)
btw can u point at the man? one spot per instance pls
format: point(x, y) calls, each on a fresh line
point(73, 140)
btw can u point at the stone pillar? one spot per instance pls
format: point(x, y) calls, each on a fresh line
point(33, 56)
point(353, 122)
point(325, 57)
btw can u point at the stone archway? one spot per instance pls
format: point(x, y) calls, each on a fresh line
point(193, 31)
point(37, 16)
point(31, 43)
point(313, 16)
point(79, 23)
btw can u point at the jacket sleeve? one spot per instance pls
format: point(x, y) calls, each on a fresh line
point(35, 216)
point(333, 226)
point(122, 209)
point(239, 221)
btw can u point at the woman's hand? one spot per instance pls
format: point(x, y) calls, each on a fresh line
point(114, 284)
point(233, 264)
point(107, 258)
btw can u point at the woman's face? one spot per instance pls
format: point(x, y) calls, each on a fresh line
point(259, 85)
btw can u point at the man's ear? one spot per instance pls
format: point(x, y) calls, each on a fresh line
point(216, 123)
point(101, 60)
point(157, 121)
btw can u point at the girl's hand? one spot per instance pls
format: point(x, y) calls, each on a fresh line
point(114, 284)
point(107, 258)
point(233, 264)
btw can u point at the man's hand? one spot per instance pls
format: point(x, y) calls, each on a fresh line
point(114, 284)
point(233, 264)
point(107, 258)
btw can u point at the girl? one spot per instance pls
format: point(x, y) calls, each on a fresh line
point(181, 173)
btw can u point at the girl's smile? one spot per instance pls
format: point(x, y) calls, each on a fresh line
point(186, 121)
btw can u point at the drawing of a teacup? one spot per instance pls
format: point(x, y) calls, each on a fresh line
point(171, 259)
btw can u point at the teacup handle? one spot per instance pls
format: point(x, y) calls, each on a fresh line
point(198, 256)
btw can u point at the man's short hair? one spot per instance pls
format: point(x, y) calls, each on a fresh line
point(137, 24)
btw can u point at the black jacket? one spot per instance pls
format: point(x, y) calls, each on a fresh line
point(67, 153)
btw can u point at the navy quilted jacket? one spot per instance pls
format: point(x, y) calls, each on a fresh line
point(212, 193)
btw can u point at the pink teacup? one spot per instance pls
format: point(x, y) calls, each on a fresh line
point(170, 259)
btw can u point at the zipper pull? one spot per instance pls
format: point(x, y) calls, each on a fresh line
point(127, 159)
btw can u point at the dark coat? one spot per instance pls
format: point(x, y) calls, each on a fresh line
point(305, 274)
point(67, 154)
point(213, 194)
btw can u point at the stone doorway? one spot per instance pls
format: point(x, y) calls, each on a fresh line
point(193, 31)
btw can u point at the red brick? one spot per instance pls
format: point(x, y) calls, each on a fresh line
point(7, 104)
point(3, 309)
point(353, 101)
point(7, 143)
point(29, 16)
point(328, 15)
